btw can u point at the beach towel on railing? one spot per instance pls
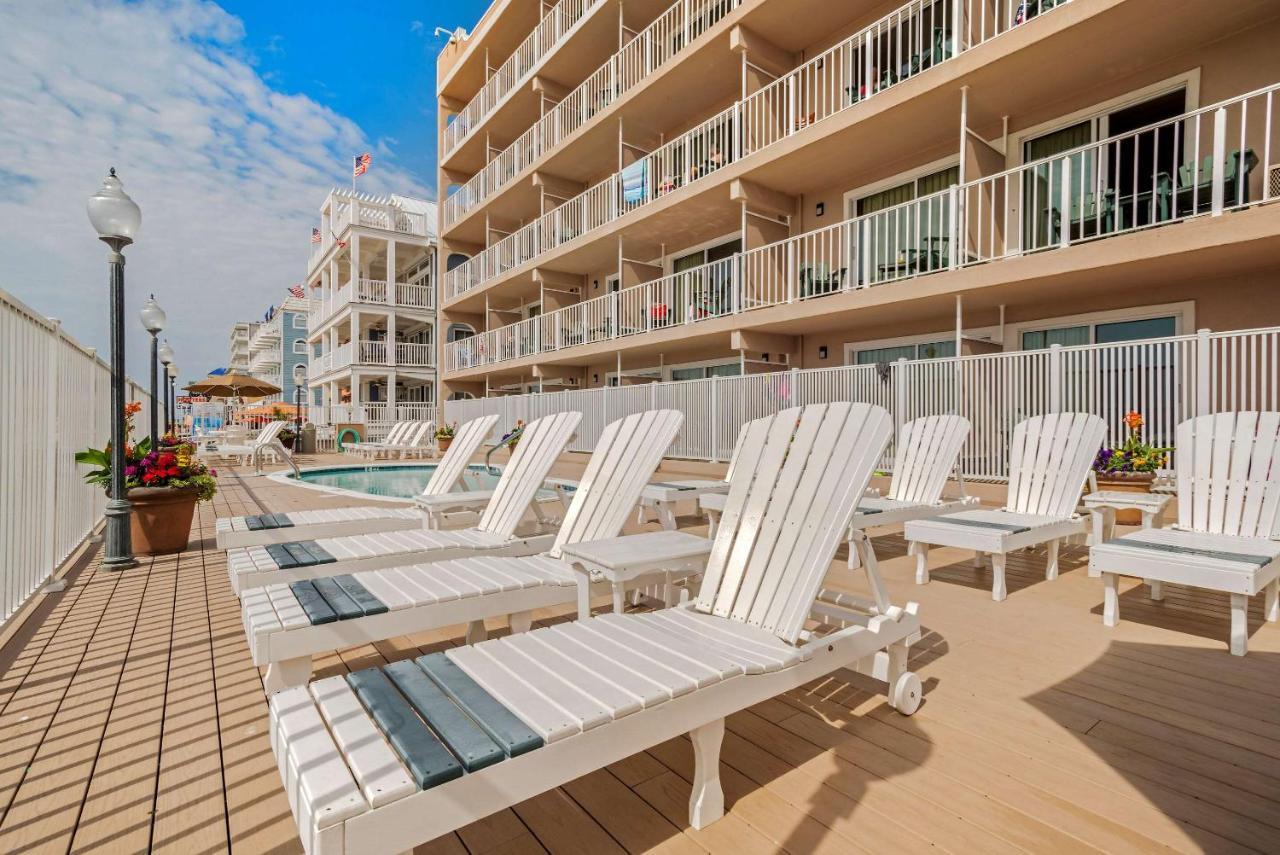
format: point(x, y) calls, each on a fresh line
point(635, 183)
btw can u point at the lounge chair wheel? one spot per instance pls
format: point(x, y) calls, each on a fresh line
point(906, 693)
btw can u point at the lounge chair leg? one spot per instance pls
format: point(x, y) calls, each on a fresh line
point(713, 520)
point(979, 560)
point(520, 621)
point(286, 674)
point(854, 559)
point(998, 591)
point(1157, 589)
point(922, 563)
point(1110, 599)
point(911, 548)
point(619, 598)
point(1051, 568)
point(584, 599)
point(1239, 624)
point(538, 514)
point(667, 516)
point(706, 803)
point(476, 632)
point(1272, 611)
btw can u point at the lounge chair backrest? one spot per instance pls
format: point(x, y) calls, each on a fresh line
point(397, 431)
point(425, 437)
point(412, 438)
point(627, 454)
point(268, 433)
point(792, 496)
point(454, 462)
point(737, 451)
point(1229, 474)
point(926, 455)
point(539, 446)
point(1050, 460)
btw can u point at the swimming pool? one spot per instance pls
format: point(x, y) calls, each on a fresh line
point(386, 482)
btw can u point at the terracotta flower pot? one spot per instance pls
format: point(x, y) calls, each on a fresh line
point(1127, 482)
point(161, 519)
point(443, 442)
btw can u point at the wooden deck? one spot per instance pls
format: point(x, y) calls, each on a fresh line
point(132, 719)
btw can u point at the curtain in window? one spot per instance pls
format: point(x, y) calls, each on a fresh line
point(1045, 213)
point(885, 354)
point(1065, 336)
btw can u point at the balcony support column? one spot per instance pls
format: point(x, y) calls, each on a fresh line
point(391, 271)
point(391, 394)
point(355, 264)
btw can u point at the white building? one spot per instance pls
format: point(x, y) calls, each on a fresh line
point(238, 346)
point(372, 329)
point(278, 349)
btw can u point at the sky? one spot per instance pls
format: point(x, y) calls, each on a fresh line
point(227, 123)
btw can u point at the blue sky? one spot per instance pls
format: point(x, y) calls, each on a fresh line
point(227, 122)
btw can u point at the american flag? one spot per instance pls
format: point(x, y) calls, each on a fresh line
point(315, 235)
point(361, 164)
point(296, 290)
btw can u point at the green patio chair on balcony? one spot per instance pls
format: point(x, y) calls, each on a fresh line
point(1200, 193)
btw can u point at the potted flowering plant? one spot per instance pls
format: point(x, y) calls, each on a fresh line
point(444, 436)
point(163, 486)
point(511, 437)
point(1131, 466)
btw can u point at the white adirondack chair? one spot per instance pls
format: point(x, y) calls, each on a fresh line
point(495, 534)
point(1048, 464)
point(417, 443)
point(1228, 479)
point(288, 624)
point(384, 759)
point(363, 448)
point(261, 529)
point(267, 440)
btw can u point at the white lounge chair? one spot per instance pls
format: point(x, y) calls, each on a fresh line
point(261, 529)
point(287, 624)
point(396, 432)
point(1048, 464)
point(1228, 479)
point(267, 441)
point(383, 759)
point(417, 443)
point(495, 534)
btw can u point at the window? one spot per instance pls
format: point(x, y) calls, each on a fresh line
point(892, 353)
point(702, 372)
point(456, 260)
point(903, 241)
point(1103, 333)
point(457, 332)
point(300, 347)
point(299, 321)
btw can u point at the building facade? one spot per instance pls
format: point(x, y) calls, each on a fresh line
point(238, 346)
point(633, 192)
point(372, 328)
point(278, 351)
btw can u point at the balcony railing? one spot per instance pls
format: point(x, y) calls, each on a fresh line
point(373, 212)
point(651, 48)
point(518, 67)
point(373, 292)
point(370, 352)
point(1200, 164)
point(902, 44)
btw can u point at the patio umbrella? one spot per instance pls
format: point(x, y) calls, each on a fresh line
point(233, 385)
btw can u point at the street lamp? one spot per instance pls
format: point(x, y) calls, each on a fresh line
point(299, 380)
point(116, 219)
point(153, 319)
point(173, 401)
point(166, 359)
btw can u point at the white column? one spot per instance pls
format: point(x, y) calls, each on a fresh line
point(355, 259)
point(391, 269)
point(391, 394)
point(391, 338)
point(355, 336)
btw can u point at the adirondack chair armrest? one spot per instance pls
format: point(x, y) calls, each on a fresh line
point(853, 633)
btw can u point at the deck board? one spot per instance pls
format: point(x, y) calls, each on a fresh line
point(133, 719)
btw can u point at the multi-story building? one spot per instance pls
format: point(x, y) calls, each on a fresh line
point(632, 192)
point(238, 346)
point(372, 327)
point(278, 349)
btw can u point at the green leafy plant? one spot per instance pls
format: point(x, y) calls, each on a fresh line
point(446, 431)
point(173, 464)
point(1133, 455)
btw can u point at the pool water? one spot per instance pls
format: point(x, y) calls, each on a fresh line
point(393, 482)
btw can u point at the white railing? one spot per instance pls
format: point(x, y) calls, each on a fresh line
point(377, 416)
point(1211, 160)
point(651, 48)
point(517, 68)
point(373, 353)
point(904, 43)
point(1167, 380)
point(56, 398)
point(372, 292)
point(415, 355)
point(378, 212)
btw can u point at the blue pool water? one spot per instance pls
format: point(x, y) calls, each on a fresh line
point(398, 482)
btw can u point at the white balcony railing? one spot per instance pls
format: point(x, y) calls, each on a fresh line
point(651, 48)
point(415, 355)
point(373, 292)
point(376, 212)
point(369, 352)
point(1200, 164)
point(518, 67)
point(902, 44)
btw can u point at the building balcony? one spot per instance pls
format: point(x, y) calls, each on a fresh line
point(370, 212)
point(373, 292)
point(374, 353)
point(667, 36)
point(1201, 164)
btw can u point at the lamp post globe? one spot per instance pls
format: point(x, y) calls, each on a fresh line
point(116, 218)
point(153, 318)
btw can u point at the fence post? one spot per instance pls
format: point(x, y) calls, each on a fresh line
point(1055, 378)
point(1219, 156)
point(900, 391)
point(1204, 373)
point(53, 435)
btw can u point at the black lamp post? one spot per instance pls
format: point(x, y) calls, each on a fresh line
point(153, 319)
point(166, 359)
point(299, 381)
point(173, 400)
point(116, 219)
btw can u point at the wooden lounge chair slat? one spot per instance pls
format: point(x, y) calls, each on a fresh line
point(463, 737)
point(318, 611)
point(404, 579)
point(651, 681)
point(360, 595)
point(426, 757)
point(376, 583)
point(377, 770)
point(341, 604)
point(571, 686)
point(586, 710)
point(593, 673)
point(677, 676)
point(550, 721)
point(511, 734)
point(679, 652)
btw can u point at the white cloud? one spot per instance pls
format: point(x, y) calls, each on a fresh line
point(229, 172)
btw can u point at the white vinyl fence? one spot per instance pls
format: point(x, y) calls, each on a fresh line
point(55, 400)
point(1167, 380)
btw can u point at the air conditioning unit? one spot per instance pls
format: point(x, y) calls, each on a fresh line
point(1273, 182)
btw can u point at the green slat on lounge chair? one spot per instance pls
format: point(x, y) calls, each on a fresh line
point(1243, 558)
point(318, 553)
point(428, 760)
point(1012, 529)
point(283, 558)
point(467, 740)
point(281, 520)
point(502, 725)
point(318, 611)
point(367, 602)
point(867, 511)
point(300, 554)
point(254, 523)
point(672, 486)
point(343, 606)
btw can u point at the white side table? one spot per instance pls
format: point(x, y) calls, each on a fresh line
point(1102, 507)
point(622, 560)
